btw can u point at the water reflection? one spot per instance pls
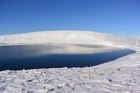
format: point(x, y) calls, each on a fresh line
point(51, 55)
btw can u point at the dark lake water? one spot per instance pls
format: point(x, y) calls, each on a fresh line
point(30, 57)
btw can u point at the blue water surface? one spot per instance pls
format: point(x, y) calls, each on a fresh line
point(22, 57)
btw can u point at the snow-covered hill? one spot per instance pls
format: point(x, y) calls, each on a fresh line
point(70, 37)
point(119, 76)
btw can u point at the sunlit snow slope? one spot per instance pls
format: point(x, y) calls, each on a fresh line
point(70, 37)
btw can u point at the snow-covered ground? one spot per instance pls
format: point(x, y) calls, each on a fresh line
point(119, 76)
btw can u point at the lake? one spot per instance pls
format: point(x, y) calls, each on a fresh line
point(55, 56)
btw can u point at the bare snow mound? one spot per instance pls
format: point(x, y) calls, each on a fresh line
point(70, 37)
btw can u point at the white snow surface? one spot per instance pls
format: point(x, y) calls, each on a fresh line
point(118, 76)
point(70, 37)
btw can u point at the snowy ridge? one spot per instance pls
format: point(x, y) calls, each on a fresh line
point(70, 37)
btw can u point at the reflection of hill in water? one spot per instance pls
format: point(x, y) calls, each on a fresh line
point(22, 51)
point(52, 55)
